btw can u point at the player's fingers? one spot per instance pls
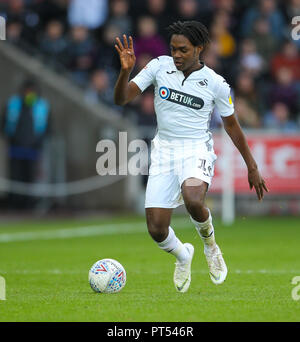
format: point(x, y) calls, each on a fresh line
point(257, 192)
point(125, 41)
point(117, 48)
point(261, 190)
point(130, 43)
point(120, 45)
point(264, 186)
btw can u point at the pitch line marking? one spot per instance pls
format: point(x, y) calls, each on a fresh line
point(59, 272)
point(85, 231)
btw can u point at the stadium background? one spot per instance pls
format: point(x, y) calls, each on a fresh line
point(54, 227)
point(67, 47)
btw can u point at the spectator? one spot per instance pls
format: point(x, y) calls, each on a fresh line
point(279, 118)
point(225, 5)
point(81, 54)
point(250, 60)
point(211, 58)
point(18, 11)
point(90, 14)
point(51, 10)
point(284, 90)
point(268, 10)
point(14, 32)
point(162, 11)
point(245, 88)
point(220, 32)
point(291, 9)
point(146, 115)
point(25, 126)
point(187, 9)
point(100, 89)
point(289, 58)
point(119, 16)
point(136, 9)
point(249, 63)
point(106, 52)
point(148, 40)
point(156, 7)
point(263, 39)
point(53, 44)
point(247, 117)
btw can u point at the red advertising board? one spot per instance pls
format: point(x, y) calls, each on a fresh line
point(278, 159)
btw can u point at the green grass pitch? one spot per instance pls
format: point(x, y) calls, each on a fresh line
point(45, 266)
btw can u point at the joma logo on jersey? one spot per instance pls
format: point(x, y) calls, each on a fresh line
point(181, 98)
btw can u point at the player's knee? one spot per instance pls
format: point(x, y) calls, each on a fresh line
point(194, 205)
point(157, 230)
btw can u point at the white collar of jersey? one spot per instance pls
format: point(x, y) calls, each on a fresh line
point(201, 63)
point(188, 77)
point(181, 72)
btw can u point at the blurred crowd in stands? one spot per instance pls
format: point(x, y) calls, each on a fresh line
point(251, 46)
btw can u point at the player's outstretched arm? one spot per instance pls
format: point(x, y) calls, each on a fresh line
point(125, 91)
point(236, 134)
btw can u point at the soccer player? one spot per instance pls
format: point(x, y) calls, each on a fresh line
point(182, 155)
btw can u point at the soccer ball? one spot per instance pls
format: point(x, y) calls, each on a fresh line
point(107, 276)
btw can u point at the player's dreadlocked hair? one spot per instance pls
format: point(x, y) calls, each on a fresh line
point(193, 30)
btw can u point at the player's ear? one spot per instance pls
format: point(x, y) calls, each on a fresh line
point(200, 49)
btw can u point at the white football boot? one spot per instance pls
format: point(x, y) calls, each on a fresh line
point(216, 265)
point(182, 274)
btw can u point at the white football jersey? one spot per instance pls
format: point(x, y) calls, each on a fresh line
point(184, 106)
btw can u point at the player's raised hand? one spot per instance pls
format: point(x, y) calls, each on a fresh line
point(126, 53)
point(255, 180)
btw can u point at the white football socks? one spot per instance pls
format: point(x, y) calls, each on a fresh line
point(206, 231)
point(174, 246)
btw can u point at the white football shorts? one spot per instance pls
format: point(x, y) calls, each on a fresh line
point(171, 164)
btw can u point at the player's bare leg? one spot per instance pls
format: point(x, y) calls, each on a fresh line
point(194, 192)
point(158, 223)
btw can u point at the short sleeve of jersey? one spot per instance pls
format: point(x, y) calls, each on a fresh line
point(147, 75)
point(223, 99)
